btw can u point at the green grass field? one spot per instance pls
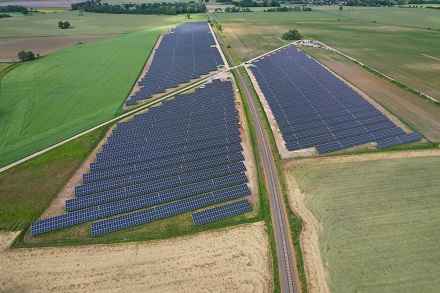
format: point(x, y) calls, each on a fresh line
point(39, 24)
point(380, 222)
point(27, 189)
point(50, 99)
point(409, 55)
point(407, 17)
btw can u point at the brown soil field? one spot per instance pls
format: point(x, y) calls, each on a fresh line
point(229, 260)
point(42, 3)
point(419, 114)
point(9, 47)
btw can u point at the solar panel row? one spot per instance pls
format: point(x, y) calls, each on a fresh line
point(185, 54)
point(166, 210)
point(221, 212)
point(313, 108)
point(119, 207)
point(164, 165)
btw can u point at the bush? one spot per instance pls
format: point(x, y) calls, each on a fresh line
point(63, 25)
point(292, 34)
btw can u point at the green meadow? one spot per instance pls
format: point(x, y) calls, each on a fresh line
point(379, 220)
point(53, 98)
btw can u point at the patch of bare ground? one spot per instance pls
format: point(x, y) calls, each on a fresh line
point(136, 86)
point(235, 259)
point(363, 157)
point(316, 273)
point(249, 159)
point(279, 141)
point(9, 47)
point(432, 57)
point(419, 114)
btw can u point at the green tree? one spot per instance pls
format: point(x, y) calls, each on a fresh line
point(60, 24)
point(25, 11)
point(292, 34)
point(22, 55)
point(340, 8)
point(66, 25)
point(30, 55)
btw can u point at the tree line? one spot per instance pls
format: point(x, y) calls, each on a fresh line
point(250, 3)
point(4, 15)
point(150, 8)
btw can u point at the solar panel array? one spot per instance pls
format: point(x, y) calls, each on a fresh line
point(186, 53)
point(313, 108)
point(221, 212)
point(179, 157)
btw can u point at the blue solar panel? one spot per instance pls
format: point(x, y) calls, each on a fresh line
point(185, 54)
point(221, 212)
point(314, 108)
point(181, 156)
point(401, 139)
point(166, 210)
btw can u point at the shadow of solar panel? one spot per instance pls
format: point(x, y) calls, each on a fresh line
point(221, 212)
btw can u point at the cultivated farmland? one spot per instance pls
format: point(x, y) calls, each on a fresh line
point(53, 98)
point(409, 55)
point(379, 220)
point(43, 25)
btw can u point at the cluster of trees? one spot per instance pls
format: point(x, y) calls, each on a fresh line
point(23, 55)
point(424, 2)
point(4, 15)
point(14, 8)
point(291, 35)
point(150, 8)
point(250, 3)
point(235, 9)
point(288, 9)
point(433, 7)
point(63, 25)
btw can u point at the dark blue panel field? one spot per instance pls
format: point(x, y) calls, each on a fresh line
point(178, 157)
point(184, 54)
point(313, 108)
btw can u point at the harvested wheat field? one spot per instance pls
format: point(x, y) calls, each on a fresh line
point(230, 260)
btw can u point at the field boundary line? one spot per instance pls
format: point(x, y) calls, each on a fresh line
point(105, 123)
point(406, 87)
point(137, 109)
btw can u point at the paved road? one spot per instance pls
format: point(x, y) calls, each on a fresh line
point(286, 260)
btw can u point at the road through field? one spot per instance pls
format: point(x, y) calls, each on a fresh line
point(286, 259)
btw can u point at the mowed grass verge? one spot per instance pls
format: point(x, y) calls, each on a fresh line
point(27, 189)
point(50, 99)
point(380, 222)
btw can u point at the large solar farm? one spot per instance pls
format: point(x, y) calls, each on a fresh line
point(196, 151)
